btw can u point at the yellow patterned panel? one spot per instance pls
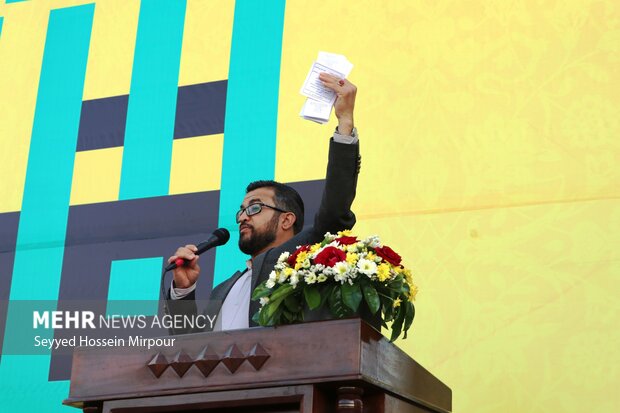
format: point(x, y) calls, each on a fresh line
point(21, 53)
point(206, 41)
point(517, 309)
point(463, 105)
point(96, 176)
point(196, 164)
point(112, 44)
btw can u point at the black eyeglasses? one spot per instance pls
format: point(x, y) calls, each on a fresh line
point(254, 209)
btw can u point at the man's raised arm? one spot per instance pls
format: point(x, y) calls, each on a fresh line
point(343, 164)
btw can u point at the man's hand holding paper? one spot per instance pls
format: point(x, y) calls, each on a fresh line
point(345, 100)
point(320, 96)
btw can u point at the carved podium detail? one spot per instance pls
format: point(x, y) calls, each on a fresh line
point(337, 366)
point(207, 360)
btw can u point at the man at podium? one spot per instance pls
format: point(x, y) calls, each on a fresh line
point(270, 220)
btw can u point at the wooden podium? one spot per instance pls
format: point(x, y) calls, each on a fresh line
point(328, 366)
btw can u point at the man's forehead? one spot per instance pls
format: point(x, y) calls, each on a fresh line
point(264, 194)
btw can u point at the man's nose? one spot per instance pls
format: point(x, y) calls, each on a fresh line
point(243, 217)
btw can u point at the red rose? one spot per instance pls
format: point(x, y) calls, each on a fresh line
point(347, 240)
point(389, 255)
point(293, 258)
point(330, 256)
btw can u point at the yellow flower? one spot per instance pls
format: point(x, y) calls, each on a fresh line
point(408, 276)
point(371, 256)
point(351, 258)
point(397, 302)
point(413, 291)
point(315, 248)
point(383, 272)
point(345, 233)
point(301, 257)
point(284, 274)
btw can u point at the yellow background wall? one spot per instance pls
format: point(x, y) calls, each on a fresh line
point(490, 135)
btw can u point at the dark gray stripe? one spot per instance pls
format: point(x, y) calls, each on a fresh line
point(8, 237)
point(98, 234)
point(200, 111)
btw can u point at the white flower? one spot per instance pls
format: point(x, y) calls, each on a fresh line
point(294, 279)
point(342, 270)
point(329, 271)
point(321, 278)
point(284, 256)
point(270, 283)
point(367, 267)
point(310, 278)
point(282, 277)
point(272, 276)
point(306, 263)
point(264, 300)
point(351, 248)
point(373, 241)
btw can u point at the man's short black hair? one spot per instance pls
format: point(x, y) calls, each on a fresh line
point(286, 198)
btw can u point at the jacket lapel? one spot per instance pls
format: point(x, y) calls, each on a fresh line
point(257, 268)
point(219, 293)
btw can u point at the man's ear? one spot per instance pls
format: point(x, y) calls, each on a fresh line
point(287, 220)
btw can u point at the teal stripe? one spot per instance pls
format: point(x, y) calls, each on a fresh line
point(45, 206)
point(1, 21)
point(14, 1)
point(134, 283)
point(251, 115)
point(151, 111)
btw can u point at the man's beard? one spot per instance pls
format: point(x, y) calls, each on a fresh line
point(256, 241)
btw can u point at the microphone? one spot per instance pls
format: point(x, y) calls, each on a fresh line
point(219, 237)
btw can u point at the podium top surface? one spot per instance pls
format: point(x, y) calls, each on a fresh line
point(315, 352)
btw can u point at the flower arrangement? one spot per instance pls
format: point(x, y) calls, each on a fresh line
point(343, 273)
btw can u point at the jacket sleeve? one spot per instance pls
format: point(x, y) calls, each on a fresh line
point(343, 166)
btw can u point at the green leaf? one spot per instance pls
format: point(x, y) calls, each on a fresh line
point(397, 325)
point(396, 284)
point(409, 317)
point(278, 317)
point(260, 291)
point(292, 303)
point(313, 297)
point(256, 317)
point(388, 308)
point(351, 295)
point(263, 320)
point(289, 316)
point(372, 297)
point(336, 306)
point(326, 291)
point(268, 314)
point(281, 292)
point(266, 317)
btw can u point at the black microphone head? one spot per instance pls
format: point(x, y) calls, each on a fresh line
point(222, 235)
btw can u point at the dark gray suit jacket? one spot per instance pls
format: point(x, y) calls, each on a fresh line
point(334, 215)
